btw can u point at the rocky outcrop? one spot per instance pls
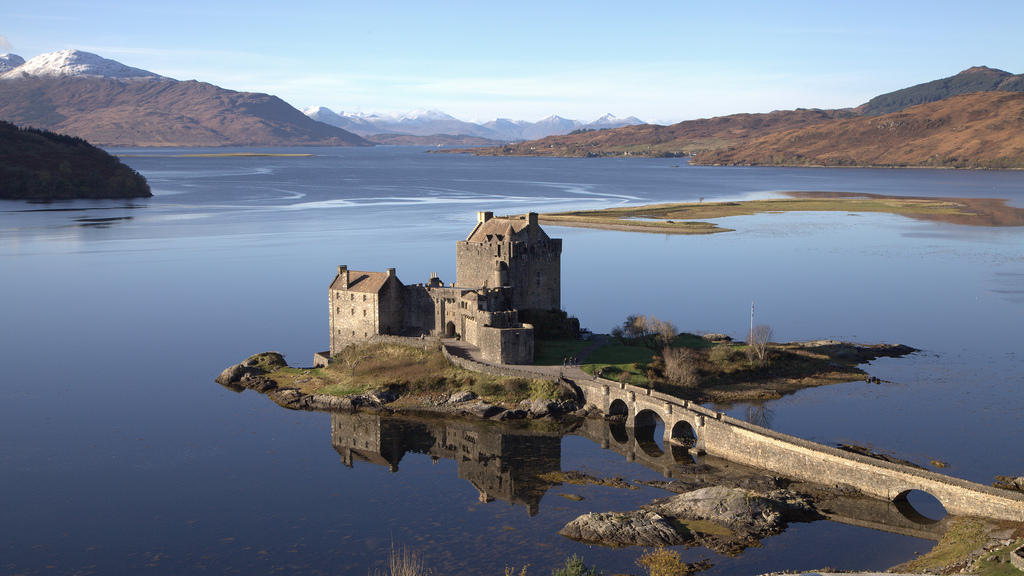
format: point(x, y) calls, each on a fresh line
point(725, 519)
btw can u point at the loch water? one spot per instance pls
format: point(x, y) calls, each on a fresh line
point(119, 454)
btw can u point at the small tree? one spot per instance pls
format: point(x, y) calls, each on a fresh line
point(663, 562)
point(759, 343)
point(682, 366)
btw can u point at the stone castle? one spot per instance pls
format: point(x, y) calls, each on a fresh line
point(505, 265)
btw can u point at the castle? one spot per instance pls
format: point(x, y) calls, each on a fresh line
point(505, 265)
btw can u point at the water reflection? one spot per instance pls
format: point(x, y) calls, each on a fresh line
point(517, 465)
point(500, 463)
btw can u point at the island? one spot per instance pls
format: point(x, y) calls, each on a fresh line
point(43, 165)
point(495, 346)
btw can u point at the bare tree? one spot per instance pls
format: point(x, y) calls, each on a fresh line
point(682, 366)
point(759, 342)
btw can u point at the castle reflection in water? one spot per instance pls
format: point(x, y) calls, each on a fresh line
point(519, 465)
point(500, 463)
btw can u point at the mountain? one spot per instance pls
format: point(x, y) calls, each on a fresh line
point(41, 165)
point(110, 104)
point(976, 130)
point(608, 121)
point(976, 79)
point(653, 140)
point(9, 62)
point(435, 122)
point(415, 123)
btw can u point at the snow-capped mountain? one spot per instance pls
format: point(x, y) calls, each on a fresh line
point(9, 62)
point(74, 63)
point(109, 104)
point(433, 122)
point(610, 121)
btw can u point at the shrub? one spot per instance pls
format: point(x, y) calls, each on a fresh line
point(663, 562)
point(574, 566)
point(682, 366)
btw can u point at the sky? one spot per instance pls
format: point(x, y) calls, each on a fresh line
point(660, 61)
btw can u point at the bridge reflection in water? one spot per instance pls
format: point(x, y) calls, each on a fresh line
point(509, 464)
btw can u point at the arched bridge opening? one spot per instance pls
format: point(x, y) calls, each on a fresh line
point(919, 507)
point(649, 431)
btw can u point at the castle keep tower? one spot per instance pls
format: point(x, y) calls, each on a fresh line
point(504, 266)
point(513, 252)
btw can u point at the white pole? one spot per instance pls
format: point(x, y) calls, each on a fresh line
point(751, 335)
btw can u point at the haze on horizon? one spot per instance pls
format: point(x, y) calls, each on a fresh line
point(659, 61)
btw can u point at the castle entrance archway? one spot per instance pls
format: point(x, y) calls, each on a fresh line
point(449, 330)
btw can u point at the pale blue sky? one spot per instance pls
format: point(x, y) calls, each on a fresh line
point(660, 61)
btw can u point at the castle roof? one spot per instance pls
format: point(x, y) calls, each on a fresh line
point(370, 282)
point(505, 230)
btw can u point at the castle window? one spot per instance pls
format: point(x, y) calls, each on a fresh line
point(353, 312)
point(364, 297)
point(351, 296)
point(364, 313)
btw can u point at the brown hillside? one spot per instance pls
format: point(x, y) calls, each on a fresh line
point(652, 140)
point(162, 113)
point(977, 130)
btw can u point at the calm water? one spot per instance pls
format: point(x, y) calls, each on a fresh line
point(118, 453)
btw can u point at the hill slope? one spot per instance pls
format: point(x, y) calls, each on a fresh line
point(977, 130)
point(41, 165)
point(976, 79)
point(110, 104)
point(653, 140)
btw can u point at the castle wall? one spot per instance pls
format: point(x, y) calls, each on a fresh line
point(506, 345)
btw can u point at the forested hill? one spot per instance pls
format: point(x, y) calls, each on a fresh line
point(976, 79)
point(42, 165)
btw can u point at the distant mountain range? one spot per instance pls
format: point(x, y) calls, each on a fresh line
point(973, 119)
point(110, 104)
point(435, 122)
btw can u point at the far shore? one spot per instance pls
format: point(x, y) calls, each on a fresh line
point(687, 218)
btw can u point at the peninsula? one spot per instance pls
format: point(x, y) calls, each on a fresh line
point(687, 218)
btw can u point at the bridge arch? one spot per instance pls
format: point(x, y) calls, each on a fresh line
point(683, 434)
point(646, 427)
point(919, 507)
point(618, 408)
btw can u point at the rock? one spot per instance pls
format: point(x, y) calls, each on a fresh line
point(740, 510)
point(717, 338)
point(640, 528)
point(232, 374)
point(256, 382)
point(464, 396)
point(541, 408)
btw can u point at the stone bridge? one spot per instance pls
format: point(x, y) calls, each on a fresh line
point(691, 426)
point(679, 463)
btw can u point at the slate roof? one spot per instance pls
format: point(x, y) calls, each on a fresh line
point(370, 282)
point(499, 229)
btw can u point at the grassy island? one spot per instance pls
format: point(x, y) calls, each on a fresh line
point(703, 369)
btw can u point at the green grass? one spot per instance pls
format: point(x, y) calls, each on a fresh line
point(997, 562)
point(554, 352)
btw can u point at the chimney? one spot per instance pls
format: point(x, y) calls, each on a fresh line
point(482, 217)
point(391, 272)
point(343, 274)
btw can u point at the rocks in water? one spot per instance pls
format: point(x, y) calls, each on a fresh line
point(1010, 483)
point(639, 528)
point(721, 518)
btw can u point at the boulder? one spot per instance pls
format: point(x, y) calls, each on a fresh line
point(639, 528)
point(232, 374)
point(464, 396)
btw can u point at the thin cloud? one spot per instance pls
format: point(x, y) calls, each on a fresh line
point(5, 44)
